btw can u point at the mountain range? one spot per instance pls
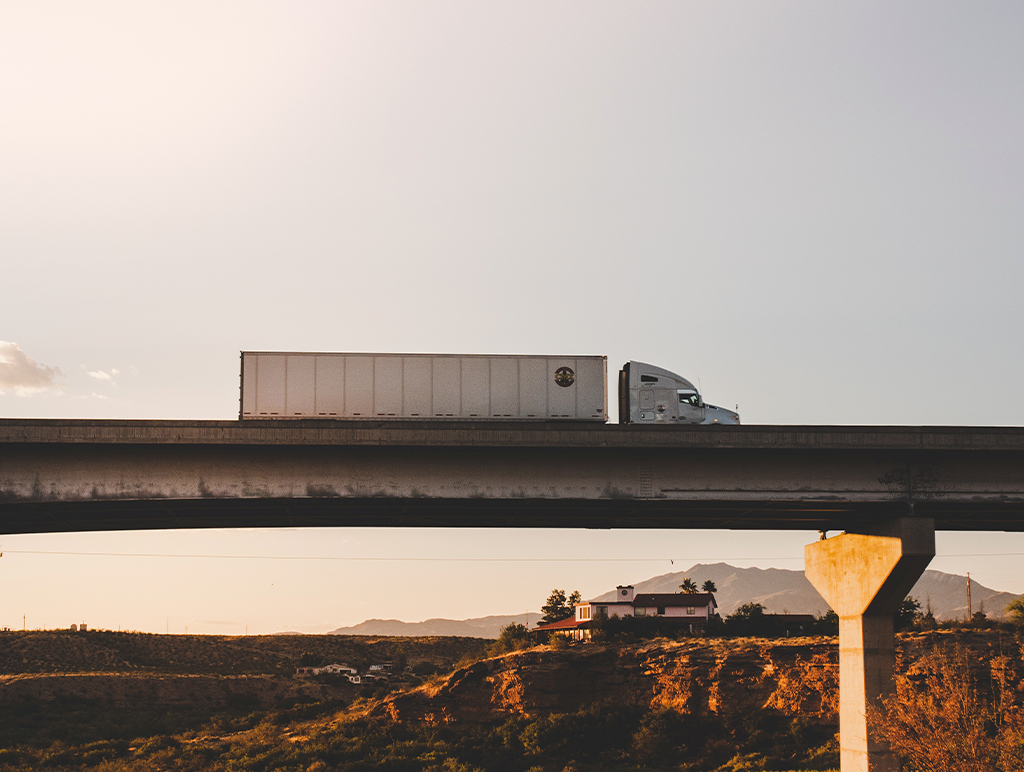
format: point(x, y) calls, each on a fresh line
point(481, 627)
point(779, 590)
point(783, 591)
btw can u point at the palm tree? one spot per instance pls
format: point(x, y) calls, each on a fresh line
point(689, 587)
point(709, 586)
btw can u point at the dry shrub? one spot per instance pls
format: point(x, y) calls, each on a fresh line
point(938, 721)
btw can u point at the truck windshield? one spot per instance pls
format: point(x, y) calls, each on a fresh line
point(688, 398)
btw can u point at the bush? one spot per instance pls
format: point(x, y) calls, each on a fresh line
point(1016, 611)
point(591, 731)
point(514, 637)
point(631, 629)
point(939, 722)
point(425, 668)
point(558, 642)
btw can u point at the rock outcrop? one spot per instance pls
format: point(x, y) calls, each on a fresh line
point(793, 676)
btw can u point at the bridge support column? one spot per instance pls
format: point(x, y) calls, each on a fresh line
point(864, 577)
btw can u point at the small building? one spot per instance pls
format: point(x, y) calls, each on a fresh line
point(332, 668)
point(690, 609)
point(571, 628)
point(793, 624)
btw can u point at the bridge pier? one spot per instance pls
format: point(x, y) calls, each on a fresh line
point(864, 577)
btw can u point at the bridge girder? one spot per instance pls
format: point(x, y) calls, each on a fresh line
point(121, 475)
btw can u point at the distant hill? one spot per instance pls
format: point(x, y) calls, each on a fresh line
point(482, 627)
point(781, 590)
point(105, 651)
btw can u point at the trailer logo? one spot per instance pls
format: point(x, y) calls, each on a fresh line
point(564, 376)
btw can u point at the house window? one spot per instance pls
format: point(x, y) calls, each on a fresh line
point(689, 609)
point(640, 612)
point(602, 611)
point(584, 612)
point(661, 609)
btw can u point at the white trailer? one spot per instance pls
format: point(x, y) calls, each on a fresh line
point(295, 385)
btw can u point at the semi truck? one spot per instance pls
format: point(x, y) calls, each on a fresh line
point(464, 387)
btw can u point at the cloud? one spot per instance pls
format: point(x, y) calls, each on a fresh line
point(99, 375)
point(23, 374)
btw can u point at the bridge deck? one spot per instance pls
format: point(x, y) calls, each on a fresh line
point(70, 475)
point(538, 434)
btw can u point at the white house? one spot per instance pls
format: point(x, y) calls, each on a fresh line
point(694, 609)
point(332, 668)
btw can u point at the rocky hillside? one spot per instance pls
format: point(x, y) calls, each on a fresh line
point(792, 677)
point(690, 676)
point(701, 705)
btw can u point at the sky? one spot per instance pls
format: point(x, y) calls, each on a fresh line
point(813, 209)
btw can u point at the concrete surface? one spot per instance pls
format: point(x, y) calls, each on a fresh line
point(864, 577)
point(108, 475)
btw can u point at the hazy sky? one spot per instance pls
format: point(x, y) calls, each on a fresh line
point(813, 208)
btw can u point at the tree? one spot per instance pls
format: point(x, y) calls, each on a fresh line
point(748, 612)
point(574, 599)
point(748, 619)
point(926, 619)
point(1016, 611)
point(828, 623)
point(309, 659)
point(709, 586)
point(908, 613)
point(689, 587)
point(558, 606)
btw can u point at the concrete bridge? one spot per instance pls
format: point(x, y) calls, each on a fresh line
point(111, 475)
point(888, 488)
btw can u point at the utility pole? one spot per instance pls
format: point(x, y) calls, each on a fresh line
point(970, 611)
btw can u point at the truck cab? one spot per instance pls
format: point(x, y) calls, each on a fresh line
point(652, 395)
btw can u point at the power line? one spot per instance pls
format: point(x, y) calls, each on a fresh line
point(456, 559)
point(385, 559)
